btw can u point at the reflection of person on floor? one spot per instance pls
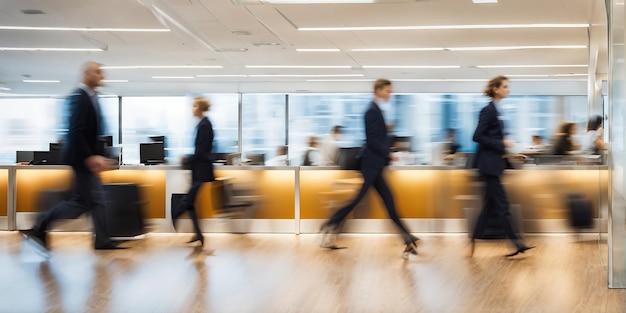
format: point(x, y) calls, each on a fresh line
point(492, 144)
point(201, 165)
point(83, 151)
point(375, 155)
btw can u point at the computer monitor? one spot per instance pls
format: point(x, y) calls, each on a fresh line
point(157, 138)
point(114, 153)
point(23, 156)
point(107, 140)
point(233, 159)
point(348, 158)
point(402, 143)
point(41, 158)
point(256, 158)
point(151, 153)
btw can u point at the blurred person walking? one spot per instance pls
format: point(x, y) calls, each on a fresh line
point(490, 161)
point(201, 165)
point(375, 155)
point(83, 151)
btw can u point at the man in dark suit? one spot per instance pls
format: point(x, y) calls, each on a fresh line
point(375, 155)
point(490, 162)
point(83, 151)
point(201, 165)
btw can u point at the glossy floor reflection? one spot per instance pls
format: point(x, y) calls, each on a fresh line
point(288, 273)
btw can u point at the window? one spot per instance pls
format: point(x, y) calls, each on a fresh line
point(263, 120)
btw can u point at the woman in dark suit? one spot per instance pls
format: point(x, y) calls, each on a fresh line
point(489, 160)
point(201, 165)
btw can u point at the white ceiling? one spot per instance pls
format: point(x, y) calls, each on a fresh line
point(208, 32)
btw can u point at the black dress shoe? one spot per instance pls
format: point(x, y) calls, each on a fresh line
point(197, 238)
point(472, 246)
point(110, 246)
point(37, 237)
point(521, 249)
point(410, 248)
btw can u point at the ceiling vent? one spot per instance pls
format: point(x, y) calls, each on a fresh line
point(240, 32)
point(33, 11)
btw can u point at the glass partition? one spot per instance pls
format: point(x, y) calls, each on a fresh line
point(263, 120)
point(171, 117)
point(617, 155)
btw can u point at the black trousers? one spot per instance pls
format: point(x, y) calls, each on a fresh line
point(373, 177)
point(495, 201)
point(88, 196)
point(187, 204)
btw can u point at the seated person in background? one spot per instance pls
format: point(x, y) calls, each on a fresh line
point(280, 159)
point(454, 145)
point(311, 155)
point(565, 143)
point(537, 146)
point(594, 143)
point(329, 147)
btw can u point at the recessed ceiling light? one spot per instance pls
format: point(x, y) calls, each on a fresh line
point(115, 80)
point(442, 27)
point(40, 81)
point(307, 75)
point(134, 67)
point(412, 66)
point(173, 77)
point(319, 50)
point(84, 29)
point(299, 66)
point(221, 75)
point(5, 88)
point(532, 66)
point(51, 49)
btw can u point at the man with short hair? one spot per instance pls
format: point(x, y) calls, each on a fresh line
point(374, 156)
point(84, 152)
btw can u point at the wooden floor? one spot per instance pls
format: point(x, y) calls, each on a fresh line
point(288, 273)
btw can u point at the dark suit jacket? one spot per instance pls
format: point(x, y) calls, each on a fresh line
point(490, 138)
point(201, 161)
point(85, 127)
point(376, 151)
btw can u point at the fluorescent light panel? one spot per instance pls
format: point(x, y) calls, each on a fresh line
point(318, 50)
point(40, 81)
point(85, 29)
point(313, 1)
point(173, 77)
point(299, 66)
point(443, 27)
point(531, 66)
point(469, 48)
point(307, 75)
point(412, 66)
point(5, 88)
point(546, 75)
point(135, 67)
point(51, 49)
point(115, 80)
point(223, 76)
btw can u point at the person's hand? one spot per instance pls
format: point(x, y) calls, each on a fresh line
point(98, 163)
point(508, 143)
point(600, 132)
point(393, 157)
point(449, 157)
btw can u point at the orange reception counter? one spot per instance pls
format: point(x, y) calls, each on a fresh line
point(294, 199)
